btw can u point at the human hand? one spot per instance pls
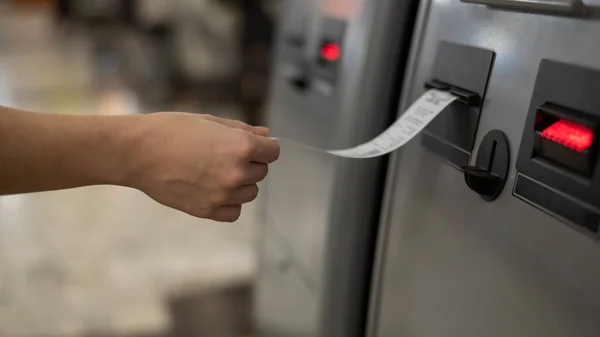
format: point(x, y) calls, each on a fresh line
point(200, 164)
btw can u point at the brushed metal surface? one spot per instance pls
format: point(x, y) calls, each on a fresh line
point(550, 6)
point(450, 264)
point(323, 209)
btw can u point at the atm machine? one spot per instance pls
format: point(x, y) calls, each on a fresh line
point(336, 78)
point(491, 217)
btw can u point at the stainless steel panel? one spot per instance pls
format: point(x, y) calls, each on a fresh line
point(449, 263)
point(325, 209)
point(551, 6)
point(283, 285)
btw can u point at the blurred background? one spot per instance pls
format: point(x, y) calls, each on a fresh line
point(108, 261)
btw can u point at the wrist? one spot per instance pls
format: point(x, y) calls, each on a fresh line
point(105, 149)
point(126, 134)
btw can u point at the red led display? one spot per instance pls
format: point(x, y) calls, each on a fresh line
point(572, 135)
point(330, 52)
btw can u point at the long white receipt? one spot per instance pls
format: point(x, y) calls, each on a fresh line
point(415, 118)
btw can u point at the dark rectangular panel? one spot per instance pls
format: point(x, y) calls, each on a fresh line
point(568, 94)
point(464, 71)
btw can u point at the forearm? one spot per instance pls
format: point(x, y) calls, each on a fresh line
point(199, 164)
point(41, 152)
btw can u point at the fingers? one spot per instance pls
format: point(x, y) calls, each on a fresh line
point(232, 211)
point(255, 172)
point(243, 195)
point(227, 213)
point(257, 130)
point(263, 150)
point(260, 131)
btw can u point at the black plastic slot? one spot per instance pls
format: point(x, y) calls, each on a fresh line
point(580, 161)
point(435, 84)
point(558, 205)
point(465, 96)
point(462, 71)
point(555, 112)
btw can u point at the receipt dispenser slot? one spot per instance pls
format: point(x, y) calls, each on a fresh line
point(557, 165)
point(463, 71)
point(296, 68)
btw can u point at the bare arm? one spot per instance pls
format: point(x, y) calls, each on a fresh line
point(40, 152)
point(200, 164)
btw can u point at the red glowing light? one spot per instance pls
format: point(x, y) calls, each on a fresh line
point(569, 134)
point(330, 52)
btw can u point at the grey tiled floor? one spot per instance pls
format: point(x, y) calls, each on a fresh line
point(100, 258)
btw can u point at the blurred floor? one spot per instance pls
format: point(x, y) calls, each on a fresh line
point(100, 259)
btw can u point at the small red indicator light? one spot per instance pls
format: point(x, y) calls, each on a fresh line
point(569, 134)
point(330, 52)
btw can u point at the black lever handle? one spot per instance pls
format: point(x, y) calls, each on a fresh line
point(489, 174)
point(480, 181)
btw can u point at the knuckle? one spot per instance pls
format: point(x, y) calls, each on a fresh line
point(246, 146)
point(258, 173)
point(241, 125)
point(219, 199)
point(208, 208)
point(235, 178)
point(204, 213)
